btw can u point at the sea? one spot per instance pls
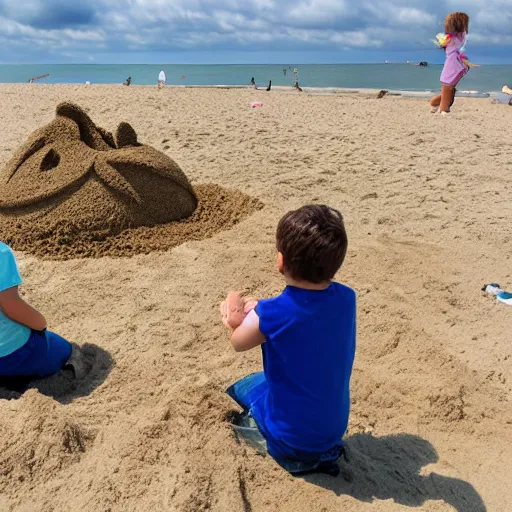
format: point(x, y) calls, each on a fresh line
point(399, 77)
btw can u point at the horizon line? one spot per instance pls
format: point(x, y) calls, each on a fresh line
point(214, 64)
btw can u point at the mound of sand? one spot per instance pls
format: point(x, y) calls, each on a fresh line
point(75, 190)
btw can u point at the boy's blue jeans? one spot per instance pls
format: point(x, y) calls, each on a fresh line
point(44, 353)
point(247, 392)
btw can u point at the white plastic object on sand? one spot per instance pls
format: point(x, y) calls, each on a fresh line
point(501, 295)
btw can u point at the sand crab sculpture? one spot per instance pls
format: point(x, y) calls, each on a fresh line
point(75, 177)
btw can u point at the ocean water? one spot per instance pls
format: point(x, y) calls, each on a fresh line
point(375, 76)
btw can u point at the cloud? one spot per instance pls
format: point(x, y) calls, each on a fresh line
point(48, 14)
point(139, 26)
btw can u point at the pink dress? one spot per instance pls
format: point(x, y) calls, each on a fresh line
point(454, 69)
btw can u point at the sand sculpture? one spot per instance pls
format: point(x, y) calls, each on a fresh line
point(81, 176)
point(75, 189)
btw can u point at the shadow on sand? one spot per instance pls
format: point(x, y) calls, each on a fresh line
point(62, 386)
point(389, 468)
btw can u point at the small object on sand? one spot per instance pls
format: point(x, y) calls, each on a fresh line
point(496, 290)
point(87, 82)
point(256, 104)
point(504, 98)
point(40, 77)
point(77, 364)
point(382, 94)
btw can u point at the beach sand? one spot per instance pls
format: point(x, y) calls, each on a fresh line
point(426, 201)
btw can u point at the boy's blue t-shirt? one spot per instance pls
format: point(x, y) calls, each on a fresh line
point(307, 359)
point(12, 334)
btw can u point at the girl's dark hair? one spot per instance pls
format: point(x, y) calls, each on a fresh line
point(456, 23)
point(313, 242)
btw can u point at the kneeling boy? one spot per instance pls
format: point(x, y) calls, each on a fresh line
point(300, 402)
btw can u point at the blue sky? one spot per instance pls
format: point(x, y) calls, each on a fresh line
point(239, 31)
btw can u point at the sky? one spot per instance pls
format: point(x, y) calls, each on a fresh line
point(244, 31)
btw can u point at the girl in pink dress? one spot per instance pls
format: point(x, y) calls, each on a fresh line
point(456, 65)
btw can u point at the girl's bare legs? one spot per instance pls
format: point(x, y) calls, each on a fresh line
point(447, 98)
point(435, 102)
point(444, 100)
point(453, 96)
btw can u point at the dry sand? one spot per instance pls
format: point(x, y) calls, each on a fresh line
point(427, 206)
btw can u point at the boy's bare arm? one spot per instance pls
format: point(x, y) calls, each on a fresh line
point(248, 334)
point(15, 308)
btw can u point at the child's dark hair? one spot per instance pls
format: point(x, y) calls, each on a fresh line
point(456, 23)
point(313, 242)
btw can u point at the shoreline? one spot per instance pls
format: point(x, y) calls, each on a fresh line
point(403, 79)
point(313, 90)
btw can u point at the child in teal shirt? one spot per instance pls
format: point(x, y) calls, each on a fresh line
point(26, 347)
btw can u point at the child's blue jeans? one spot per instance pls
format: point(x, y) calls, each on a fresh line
point(44, 353)
point(247, 392)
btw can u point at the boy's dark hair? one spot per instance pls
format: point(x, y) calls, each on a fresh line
point(313, 242)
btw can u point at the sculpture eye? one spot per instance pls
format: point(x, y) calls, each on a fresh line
point(50, 161)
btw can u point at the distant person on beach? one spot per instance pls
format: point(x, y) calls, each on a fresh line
point(299, 405)
point(161, 79)
point(27, 348)
point(505, 96)
point(269, 85)
point(128, 81)
point(456, 27)
point(253, 83)
point(296, 75)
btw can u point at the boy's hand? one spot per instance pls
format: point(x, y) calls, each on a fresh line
point(235, 308)
point(249, 304)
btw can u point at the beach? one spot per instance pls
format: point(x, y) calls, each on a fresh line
point(426, 201)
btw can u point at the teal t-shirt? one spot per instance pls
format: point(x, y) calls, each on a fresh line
point(12, 334)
